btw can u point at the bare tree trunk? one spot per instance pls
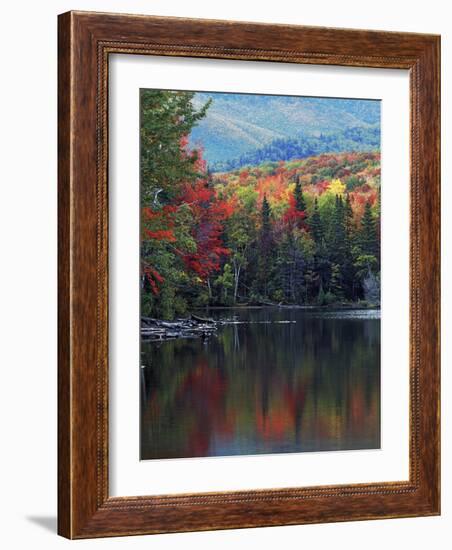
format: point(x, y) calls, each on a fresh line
point(237, 269)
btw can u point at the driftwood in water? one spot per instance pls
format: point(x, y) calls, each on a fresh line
point(201, 319)
point(194, 327)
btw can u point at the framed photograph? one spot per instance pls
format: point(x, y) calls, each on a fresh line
point(248, 275)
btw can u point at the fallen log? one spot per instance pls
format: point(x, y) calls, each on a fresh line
point(194, 327)
point(199, 319)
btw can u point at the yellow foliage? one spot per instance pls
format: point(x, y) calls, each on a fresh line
point(336, 187)
point(291, 187)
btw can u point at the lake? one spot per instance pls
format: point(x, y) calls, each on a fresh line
point(278, 380)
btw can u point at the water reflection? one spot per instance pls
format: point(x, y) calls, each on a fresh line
point(264, 386)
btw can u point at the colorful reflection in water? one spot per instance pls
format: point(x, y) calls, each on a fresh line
point(264, 386)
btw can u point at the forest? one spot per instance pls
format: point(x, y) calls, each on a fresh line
point(293, 231)
point(350, 139)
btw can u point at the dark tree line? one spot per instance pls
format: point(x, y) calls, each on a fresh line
point(313, 257)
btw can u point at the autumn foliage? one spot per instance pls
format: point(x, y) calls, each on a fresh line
point(209, 215)
point(301, 231)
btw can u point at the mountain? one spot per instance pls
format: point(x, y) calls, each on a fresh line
point(236, 125)
point(360, 139)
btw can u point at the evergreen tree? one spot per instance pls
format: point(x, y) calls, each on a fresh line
point(289, 271)
point(336, 287)
point(265, 218)
point(321, 265)
point(368, 233)
point(348, 219)
point(166, 119)
point(311, 279)
point(315, 224)
point(337, 241)
point(347, 268)
point(300, 203)
point(378, 226)
point(265, 249)
point(285, 267)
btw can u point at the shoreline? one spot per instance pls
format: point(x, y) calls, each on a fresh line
point(205, 326)
point(331, 307)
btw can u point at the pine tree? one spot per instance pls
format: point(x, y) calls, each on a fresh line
point(265, 218)
point(167, 118)
point(337, 244)
point(321, 265)
point(311, 279)
point(347, 269)
point(315, 224)
point(368, 233)
point(266, 250)
point(348, 219)
point(285, 267)
point(378, 225)
point(289, 270)
point(300, 203)
point(336, 287)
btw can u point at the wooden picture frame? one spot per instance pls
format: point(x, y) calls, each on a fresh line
point(86, 40)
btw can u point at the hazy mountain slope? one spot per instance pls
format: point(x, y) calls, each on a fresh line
point(357, 139)
point(224, 137)
point(237, 124)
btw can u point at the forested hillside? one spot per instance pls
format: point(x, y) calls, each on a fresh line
point(301, 231)
point(238, 125)
point(351, 139)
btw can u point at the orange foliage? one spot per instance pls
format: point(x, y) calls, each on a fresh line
point(278, 183)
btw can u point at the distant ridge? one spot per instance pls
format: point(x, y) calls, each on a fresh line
point(352, 139)
point(238, 126)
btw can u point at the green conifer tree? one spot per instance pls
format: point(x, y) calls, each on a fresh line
point(336, 287)
point(265, 251)
point(338, 243)
point(315, 224)
point(347, 268)
point(368, 234)
point(300, 203)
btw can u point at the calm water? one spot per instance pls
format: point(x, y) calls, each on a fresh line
point(278, 381)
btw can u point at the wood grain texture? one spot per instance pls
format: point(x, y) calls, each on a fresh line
point(64, 295)
point(85, 42)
